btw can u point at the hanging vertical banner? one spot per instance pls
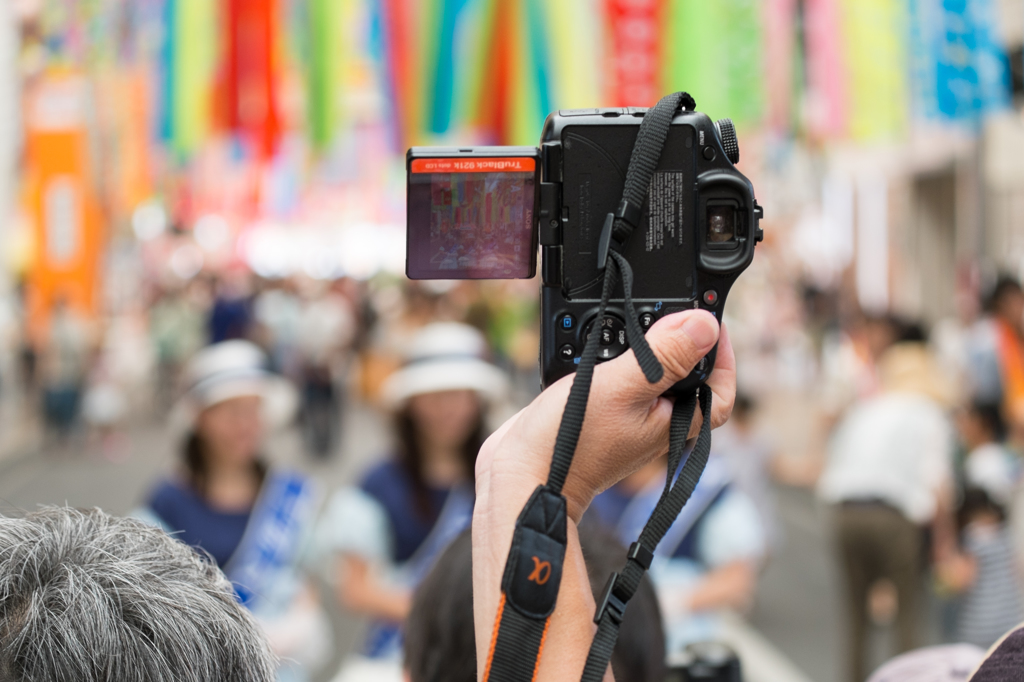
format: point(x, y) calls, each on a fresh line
point(780, 18)
point(494, 96)
point(634, 41)
point(399, 18)
point(61, 199)
point(251, 78)
point(322, 77)
point(877, 65)
point(575, 34)
point(713, 51)
point(193, 55)
point(961, 70)
point(826, 93)
point(442, 93)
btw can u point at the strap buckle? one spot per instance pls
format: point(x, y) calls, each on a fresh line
point(640, 554)
point(611, 603)
point(629, 213)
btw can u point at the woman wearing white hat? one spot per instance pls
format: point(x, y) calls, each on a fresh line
point(225, 500)
point(387, 532)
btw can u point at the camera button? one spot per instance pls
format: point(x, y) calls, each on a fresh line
point(709, 153)
point(711, 297)
point(566, 322)
point(647, 320)
point(567, 351)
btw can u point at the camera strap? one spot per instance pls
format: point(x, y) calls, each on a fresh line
point(533, 570)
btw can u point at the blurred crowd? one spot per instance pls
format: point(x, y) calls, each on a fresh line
point(919, 465)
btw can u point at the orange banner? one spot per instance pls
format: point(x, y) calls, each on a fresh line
point(61, 200)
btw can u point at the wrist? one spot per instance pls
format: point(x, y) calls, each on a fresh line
point(513, 476)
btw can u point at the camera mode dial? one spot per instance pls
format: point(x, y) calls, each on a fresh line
point(727, 134)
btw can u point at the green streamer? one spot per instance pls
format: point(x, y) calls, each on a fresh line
point(194, 62)
point(713, 51)
point(323, 27)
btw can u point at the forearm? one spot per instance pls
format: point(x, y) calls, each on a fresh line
point(571, 628)
point(389, 604)
point(359, 591)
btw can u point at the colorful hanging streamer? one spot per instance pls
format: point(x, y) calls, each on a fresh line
point(713, 51)
point(251, 78)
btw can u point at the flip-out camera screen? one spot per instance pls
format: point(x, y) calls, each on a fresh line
point(471, 218)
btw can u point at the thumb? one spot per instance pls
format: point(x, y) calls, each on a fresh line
point(679, 341)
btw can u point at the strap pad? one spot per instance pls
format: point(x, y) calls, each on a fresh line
point(533, 571)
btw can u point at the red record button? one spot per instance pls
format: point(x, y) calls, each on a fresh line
point(710, 297)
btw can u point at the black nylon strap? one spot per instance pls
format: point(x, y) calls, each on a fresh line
point(624, 585)
point(517, 656)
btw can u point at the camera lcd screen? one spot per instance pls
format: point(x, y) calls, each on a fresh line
point(471, 218)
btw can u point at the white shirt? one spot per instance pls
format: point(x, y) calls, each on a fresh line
point(898, 448)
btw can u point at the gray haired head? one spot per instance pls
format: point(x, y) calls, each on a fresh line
point(86, 596)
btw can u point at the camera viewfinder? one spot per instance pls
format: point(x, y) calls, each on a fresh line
point(721, 227)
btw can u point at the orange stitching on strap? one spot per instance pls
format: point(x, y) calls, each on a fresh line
point(494, 638)
point(540, 650)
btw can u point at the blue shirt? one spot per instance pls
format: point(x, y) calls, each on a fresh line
point(610, 505)
point(195, 522)
point(390, 484)
point(229, 319)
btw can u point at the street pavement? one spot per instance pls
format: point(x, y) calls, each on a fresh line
point(798, 609)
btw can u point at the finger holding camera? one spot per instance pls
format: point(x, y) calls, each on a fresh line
point(627, 418)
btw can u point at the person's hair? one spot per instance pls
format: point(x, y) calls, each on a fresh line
point(1004, 287)
point(410, 454)
point(991, 417)
point(86, 596)
point(195, 454)
point(977, 501)
point(440, 644)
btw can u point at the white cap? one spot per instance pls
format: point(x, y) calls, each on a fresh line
point(233, 369)
point(445, 356)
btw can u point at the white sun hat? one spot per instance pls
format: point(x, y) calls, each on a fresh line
point(445, 356)
point(233, 369)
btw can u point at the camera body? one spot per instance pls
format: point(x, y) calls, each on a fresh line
point(695, 236)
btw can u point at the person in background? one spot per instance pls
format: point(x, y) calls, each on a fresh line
point(439, 643)
point(946, 663)
point(325, 329)
point(984, 570)
point(387, 532)
point(231, 314)
point(90, 597)
point(850, 363)
point(277, 310)
point(751, 459)
point(709, 559)
point(988, 464)
point(65, 364)
point(176, 322)
point(998, 356)
point(888, 475)
point(254, 521)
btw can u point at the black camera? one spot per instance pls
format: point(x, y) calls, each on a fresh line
point(481, 213)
